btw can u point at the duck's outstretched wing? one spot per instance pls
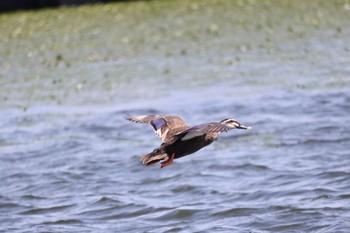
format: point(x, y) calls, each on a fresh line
point(199, 130)
point(164, 126)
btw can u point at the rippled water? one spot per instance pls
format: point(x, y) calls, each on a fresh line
point(69, 161)
point(79, 171)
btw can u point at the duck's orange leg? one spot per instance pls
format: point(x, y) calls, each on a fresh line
point(168, 162)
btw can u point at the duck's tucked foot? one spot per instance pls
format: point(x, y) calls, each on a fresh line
point(168, 162)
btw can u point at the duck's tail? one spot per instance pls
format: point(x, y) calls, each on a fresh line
point(154, 157)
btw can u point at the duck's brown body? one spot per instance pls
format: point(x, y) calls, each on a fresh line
point(185, 147)
point(179, 139)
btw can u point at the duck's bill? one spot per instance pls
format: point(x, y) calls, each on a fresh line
point(244, 127)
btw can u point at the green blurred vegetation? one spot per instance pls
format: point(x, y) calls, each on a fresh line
point(94, 53)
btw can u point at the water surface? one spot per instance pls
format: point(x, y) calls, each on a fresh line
point(69, 162)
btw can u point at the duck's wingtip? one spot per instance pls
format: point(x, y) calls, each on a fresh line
point(127, 116)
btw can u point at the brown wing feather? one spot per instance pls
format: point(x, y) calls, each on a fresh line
point(198, 130)
point(142, 119)
point(215, 127)
point(172, 126)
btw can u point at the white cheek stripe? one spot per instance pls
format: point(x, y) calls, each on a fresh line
point(191, 135)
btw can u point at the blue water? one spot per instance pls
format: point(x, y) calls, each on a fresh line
point(79, 170)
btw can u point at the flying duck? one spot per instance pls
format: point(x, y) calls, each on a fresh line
point(178, 138)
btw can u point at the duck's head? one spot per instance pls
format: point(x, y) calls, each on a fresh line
point(232, 123)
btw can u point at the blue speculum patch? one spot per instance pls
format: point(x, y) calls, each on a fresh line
point(158, 123)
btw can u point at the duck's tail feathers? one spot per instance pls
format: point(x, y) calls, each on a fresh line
point(153, 157)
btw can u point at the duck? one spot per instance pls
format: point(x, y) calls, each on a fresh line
point(178, 138)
